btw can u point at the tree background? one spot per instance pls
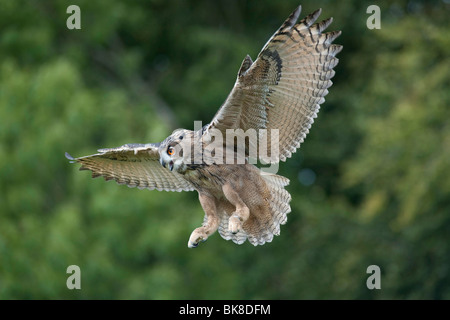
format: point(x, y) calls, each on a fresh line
point(370, 185)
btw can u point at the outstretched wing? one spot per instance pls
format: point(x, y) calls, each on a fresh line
point(136, 165)
point(284, 87)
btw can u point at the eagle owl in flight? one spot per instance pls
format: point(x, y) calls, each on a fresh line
point(278, 96)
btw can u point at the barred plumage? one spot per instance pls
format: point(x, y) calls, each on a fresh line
point(278, 93)
point(284, 87)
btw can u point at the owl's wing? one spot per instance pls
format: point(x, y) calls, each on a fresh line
point(284, 87)
point(136, 165)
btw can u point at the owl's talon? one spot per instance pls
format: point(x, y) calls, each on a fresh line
point(197, 236)
point(192, 245)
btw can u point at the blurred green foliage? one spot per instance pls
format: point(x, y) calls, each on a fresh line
point(380, 152)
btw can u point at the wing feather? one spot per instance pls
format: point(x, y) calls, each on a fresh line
point(284, 87)
point(135, 165)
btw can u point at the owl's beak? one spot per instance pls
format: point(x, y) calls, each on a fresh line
point(164, 164)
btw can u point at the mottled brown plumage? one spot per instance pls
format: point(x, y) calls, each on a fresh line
point(278, 96)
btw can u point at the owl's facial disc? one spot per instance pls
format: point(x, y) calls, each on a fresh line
point(171, 158)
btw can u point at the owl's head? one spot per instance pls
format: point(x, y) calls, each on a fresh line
point(171, 151)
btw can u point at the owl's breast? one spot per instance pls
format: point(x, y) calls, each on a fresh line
point(211, 178)
point(206, 178)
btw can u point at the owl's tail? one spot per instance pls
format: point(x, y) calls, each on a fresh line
point(279, 202)
point(279, 207)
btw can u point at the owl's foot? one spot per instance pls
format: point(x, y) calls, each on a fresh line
point(234, 224)
point(236, 220)
point(197, 236)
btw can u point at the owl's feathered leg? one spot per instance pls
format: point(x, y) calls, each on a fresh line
point(210, 224)
point(242, 212)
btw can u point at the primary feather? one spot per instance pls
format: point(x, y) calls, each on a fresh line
point(284, 87)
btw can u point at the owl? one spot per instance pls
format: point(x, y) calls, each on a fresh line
point(268, 114)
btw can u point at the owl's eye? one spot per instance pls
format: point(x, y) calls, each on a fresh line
point(170, 151)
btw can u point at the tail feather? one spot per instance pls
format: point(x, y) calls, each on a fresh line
point(279, 202)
